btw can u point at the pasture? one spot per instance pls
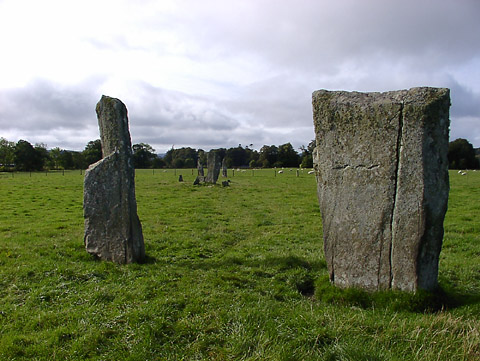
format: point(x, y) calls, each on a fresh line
point(234, 273)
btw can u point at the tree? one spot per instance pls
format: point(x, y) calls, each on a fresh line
point(181, 158)
point(240, 157)
point(65, 160)
point(93, 151)
point(158, 163)
point(143, 155)
point(287, 156)
point(55, 156)
point(79, 160)
point(7, 153)
point(461, 155)
point(307, 155)
point(268, 156)
point(42, 155)
point(27, 158)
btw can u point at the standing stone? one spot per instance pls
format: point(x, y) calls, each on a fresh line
point(382, 181)
point(200, 168)
point(112, 228)
point(224, 167)
point(213, 167)
point(199, 180)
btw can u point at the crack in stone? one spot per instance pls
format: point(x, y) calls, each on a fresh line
point(395, 194)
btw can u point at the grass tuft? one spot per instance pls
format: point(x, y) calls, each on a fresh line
point(419, 302)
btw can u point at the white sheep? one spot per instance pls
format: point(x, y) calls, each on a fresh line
point(280, 171)
point(311, 172)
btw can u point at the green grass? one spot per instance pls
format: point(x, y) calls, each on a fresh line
point(234, 273)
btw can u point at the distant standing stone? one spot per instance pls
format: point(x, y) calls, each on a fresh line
point(200, 168)
point(200, 179)
point(112, 227)
point(213, 167)
point(224, 167)
point(382, 177)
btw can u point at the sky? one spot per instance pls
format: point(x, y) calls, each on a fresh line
point(218, 73)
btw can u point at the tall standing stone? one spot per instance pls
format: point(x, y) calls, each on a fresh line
point(213, 167)
point(112, 227)
point(382, 180)
point(224, 167)
point(200, 168)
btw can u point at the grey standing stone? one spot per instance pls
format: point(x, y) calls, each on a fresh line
point(112, 227)
point(382, 180)
point(200, 168)
point(224, 167)
point(213, 167)
point(199, 180)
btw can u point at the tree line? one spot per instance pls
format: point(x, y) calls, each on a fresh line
point(23, 156)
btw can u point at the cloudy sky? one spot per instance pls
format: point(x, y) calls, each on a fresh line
point(218, 73)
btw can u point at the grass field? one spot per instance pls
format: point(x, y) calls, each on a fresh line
point(234, 273)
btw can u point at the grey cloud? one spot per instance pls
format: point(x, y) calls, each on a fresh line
point(465, 102)
point(276, 102)
point(278, 53)
point(320, 36)
point(157, 107)
point(44, 106)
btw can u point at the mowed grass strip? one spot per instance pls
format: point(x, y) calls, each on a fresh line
point(232, 273)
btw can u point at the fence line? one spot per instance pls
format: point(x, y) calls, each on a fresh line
point(237, 172)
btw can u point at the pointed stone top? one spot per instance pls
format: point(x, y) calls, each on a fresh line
point(113, 123)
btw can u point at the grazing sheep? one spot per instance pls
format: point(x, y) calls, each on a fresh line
point(311, 172)
point(280, 171)
point(463, 173)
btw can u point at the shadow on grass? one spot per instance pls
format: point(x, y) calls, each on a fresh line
point(92, 257)
point(149, 260)
point(445, 297)
point(281, 263)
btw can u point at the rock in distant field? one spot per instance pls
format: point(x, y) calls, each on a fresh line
point(382, 177)
point(112, 228)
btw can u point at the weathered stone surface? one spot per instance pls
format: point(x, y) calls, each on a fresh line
point(112, 228)
point(200, 168)
point(213, 167)
point(224, 167)
point(199, 180)
point(381, 168)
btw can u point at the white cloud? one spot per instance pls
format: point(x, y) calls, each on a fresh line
point(215, 73)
